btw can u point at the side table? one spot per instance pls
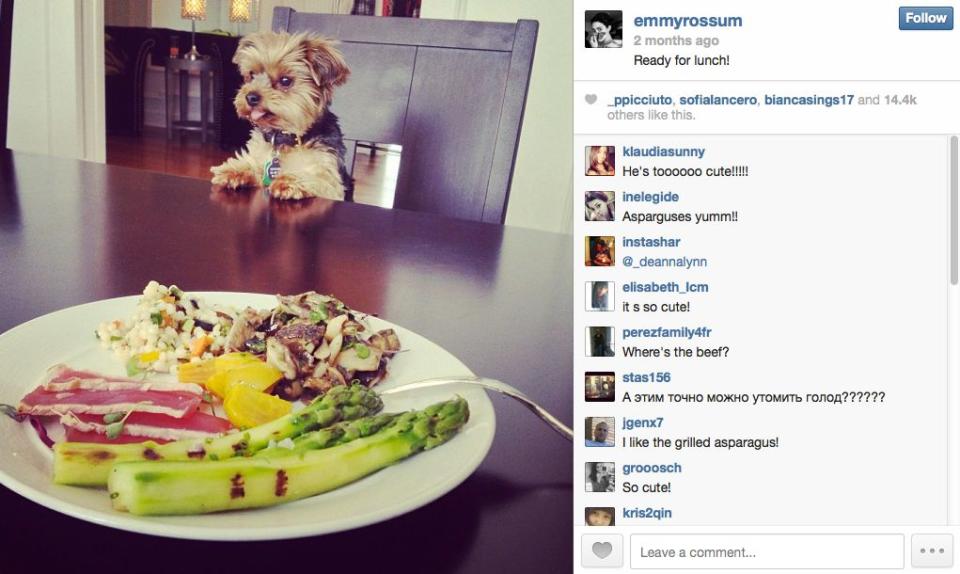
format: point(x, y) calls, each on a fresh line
point(208, 71)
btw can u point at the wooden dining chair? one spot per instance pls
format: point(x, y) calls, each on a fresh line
point(452, 93)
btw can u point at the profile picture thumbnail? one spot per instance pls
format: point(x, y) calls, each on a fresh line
point(599, 387)
point(600, 342)
point(600, 295)
point(598, 205)
point(601, 160)
point(598, 431)
point(599, 250)
point(603, 28)
point(600, 515)
point(600, 476)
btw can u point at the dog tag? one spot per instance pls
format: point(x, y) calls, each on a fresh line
point(271, 169)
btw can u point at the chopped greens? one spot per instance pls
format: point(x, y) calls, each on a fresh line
point(115, 426)
point(256, 345)
point(111, 418)
point(133, 367)
point(114, 430)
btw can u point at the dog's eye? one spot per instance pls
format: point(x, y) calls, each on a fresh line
point(286, 81)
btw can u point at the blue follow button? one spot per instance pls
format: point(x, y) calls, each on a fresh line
point(926, 17)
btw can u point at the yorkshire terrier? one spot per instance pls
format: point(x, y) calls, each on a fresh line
point(296, 147)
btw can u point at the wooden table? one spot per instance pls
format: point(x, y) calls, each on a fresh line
point(497, 297)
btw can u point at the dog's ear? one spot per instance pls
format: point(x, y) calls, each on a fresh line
point(244, 46)
point(249, 49)
point(326, 62)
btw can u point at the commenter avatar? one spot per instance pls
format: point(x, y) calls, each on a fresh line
point(600, 516)
point(601, 160)
point(599, 431)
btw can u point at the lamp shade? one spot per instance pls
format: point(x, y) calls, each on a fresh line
point(193, 9)
point(240, 10)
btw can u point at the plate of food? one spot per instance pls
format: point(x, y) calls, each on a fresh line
point(232, 416)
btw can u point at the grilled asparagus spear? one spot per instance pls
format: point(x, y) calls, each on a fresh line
point(89, 464)
point(248, 482)
point(340, 433)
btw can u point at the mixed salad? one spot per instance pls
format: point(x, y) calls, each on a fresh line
point(314, 340)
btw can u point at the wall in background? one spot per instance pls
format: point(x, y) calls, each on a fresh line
point(56, 85)
point(127, 12)
point(321, 6)
point(541, 193)
point(166, 14)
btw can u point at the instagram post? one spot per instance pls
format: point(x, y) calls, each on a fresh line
point(472, 286)
point(274, 272)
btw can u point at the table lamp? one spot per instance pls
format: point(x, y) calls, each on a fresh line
point(240, 11)
point(193, 10)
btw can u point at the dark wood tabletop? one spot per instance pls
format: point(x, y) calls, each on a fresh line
point(496, 297)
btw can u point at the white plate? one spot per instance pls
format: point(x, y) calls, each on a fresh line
point(67, 336)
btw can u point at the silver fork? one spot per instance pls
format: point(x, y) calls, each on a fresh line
point(493, 385)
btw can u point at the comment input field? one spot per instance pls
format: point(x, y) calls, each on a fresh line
point(767, 551)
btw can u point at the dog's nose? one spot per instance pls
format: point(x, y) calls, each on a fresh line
point(253, 98)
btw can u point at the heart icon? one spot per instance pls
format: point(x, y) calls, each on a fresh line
point(602, 549)
point(591, 98)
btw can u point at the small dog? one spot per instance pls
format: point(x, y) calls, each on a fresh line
point(296, 147)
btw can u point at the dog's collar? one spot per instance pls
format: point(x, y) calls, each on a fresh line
point(279, 139)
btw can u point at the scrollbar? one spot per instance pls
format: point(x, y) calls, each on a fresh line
point(954, 235)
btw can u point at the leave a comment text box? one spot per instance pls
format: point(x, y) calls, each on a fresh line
point(767, 551)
